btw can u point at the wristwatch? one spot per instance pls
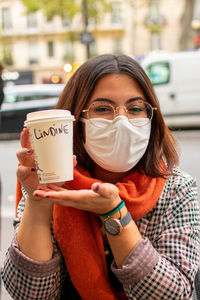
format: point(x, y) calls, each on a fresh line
point(114, 226)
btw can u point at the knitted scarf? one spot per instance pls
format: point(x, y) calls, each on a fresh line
point(78, 232)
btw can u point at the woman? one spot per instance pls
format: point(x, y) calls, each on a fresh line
point(127, 226)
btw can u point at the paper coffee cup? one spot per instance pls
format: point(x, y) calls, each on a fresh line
point(51, 137)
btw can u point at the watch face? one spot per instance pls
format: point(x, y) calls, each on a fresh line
point(112, 226)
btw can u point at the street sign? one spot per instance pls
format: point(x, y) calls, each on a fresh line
point(86, 38)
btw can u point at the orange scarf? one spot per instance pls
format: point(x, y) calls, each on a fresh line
point(78, 232)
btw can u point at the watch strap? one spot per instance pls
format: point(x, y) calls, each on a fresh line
point(126, 219)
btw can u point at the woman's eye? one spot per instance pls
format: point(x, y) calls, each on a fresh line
point(102, 109)
point(135, 109)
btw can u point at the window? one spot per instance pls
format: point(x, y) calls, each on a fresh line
point(7, 55)
point(31, 20)
point(117, 45)
point(92, 21)
point(66, 21)
point(33, 53)
point(154, 9)
point(49, 19)
point(6, 18)
point(50, 47)
point(158, 73)
point(68, 51)
point(196, 11)
point(116, 13)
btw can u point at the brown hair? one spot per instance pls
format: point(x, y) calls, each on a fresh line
point(78, 91)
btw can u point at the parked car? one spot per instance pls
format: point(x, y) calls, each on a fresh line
point(22, 99)
point(175, 77)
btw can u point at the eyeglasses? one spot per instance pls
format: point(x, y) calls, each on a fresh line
point(138, 112)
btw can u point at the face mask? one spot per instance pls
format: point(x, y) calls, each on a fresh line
point(116, 145)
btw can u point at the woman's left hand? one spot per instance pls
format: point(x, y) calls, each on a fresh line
point(100, 199)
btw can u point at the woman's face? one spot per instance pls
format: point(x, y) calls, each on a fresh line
point(117, 90)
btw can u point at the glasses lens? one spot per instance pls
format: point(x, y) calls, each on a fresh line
point(139, 112)
point(102, 110)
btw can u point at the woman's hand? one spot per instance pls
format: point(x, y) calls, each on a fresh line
point(102, 197)
point(26, 171)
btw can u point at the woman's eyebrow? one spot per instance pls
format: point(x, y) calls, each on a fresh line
point(113, 102)
point(135, 98)
point(103, 99)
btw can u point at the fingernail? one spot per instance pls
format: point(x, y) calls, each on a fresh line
point(35, 194)
point(33, 169)
point(96, 187)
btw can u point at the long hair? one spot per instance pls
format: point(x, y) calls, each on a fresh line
point(78, 90)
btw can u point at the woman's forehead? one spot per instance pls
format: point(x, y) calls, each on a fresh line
point(117, 87)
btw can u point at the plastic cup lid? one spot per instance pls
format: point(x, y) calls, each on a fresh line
point(49, 115)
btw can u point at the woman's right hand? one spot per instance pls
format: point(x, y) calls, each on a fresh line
point(26, 171)
point(34, 232)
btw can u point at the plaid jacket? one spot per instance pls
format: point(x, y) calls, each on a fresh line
point(162, 265)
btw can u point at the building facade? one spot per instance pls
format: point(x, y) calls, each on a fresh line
point(43, 47)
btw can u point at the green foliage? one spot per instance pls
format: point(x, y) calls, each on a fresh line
point(96, 8)
point(52, 7)
point(66, 7)
point(31, 5)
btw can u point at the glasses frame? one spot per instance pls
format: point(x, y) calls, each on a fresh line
point(120, 106)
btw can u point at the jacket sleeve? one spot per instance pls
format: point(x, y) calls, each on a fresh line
point(25, 278)
point(164, 265)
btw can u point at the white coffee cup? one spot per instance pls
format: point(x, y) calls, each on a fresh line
point(51, 137)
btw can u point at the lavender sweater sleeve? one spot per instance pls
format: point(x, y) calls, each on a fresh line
point(30, 266)
point(141, 260)
point(27, 279)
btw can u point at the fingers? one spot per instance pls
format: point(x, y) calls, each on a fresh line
point(60, 193)
point(25, 157)
point(100, 199)
point(24, 172)
point(106, 190)
point(24, 139)
point(43, 187)
point(50, 188)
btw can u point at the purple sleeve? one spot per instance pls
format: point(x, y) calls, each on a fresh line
point(141, 260)
point(25, 278)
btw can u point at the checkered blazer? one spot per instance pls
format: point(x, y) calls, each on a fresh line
point(161, 266)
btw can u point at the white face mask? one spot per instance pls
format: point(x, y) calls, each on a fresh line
point(117, 146)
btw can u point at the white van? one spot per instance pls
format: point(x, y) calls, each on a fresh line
point(176, 80)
